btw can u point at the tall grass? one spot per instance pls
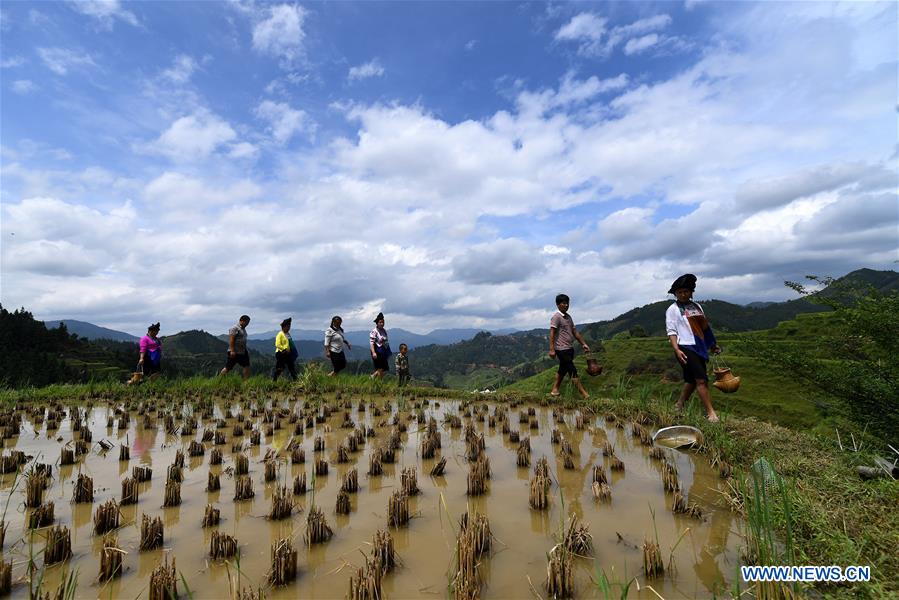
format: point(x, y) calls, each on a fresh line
point(768, 504)
point(622, 387)
point(313, 380)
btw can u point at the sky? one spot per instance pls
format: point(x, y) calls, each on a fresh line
point(452, 164)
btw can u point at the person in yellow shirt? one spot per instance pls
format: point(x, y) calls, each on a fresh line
point(285, 352)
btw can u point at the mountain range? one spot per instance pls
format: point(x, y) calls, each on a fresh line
point(90, 331)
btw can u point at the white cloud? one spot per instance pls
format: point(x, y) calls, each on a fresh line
point(58, 258)
point(176, 190)
point(583, 26)
point(605, 178)
point(243, 150)
point(502, 261)
point(637, 45)
point(554, 250)
point(372, 68)
point(194, 136)
point(181, 70)
point(470, 45)
point(626, 224)
point(281, 34)
point(284, 121)
point(105, 11)
point(597, 40)
point(23, 86)
point(760, 194)
point(50, 219)
point(12, 61)
point(652, 23)
point(37, 18)
point(572, 90)
point(60, 60)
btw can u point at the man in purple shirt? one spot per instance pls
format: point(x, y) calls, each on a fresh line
point(562, 334)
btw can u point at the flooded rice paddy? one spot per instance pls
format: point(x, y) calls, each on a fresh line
point(698, 547)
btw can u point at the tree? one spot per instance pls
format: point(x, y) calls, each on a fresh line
point(857, 361)
point(638, 331)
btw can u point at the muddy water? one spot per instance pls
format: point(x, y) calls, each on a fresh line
point(703, 559)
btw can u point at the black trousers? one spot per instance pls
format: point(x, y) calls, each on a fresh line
point(338, 361)
point(566, 363)
point(282, 360)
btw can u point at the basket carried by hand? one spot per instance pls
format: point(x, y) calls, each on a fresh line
point(593, 366)
point(137, 376)
point(725, 380)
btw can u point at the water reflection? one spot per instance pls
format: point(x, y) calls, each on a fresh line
point(426, 546)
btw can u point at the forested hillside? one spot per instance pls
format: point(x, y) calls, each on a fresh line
point(506, 357)
point(31, 354)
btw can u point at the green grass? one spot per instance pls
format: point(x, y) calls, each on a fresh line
point(773, 396)
point(479, 379)
point(313, 380)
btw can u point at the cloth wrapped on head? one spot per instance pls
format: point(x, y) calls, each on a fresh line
point(686, 281)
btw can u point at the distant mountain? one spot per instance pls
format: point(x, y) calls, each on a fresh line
point(726, 316)
point(510, 356)
point(92, 332)
point(198, 352)
point(863, 280)
point(194, 341)
point(33, 354)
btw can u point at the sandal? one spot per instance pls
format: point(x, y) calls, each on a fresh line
point(555, 395)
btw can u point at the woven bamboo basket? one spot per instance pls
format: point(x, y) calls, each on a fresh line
point(726, 381)
point(593, 367)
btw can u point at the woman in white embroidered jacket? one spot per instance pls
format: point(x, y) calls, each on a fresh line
point(380, 348)
point(692, 338)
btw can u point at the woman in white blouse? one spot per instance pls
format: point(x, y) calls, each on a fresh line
point(335, 340)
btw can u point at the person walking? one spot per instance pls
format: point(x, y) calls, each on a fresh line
point(285, 352)
point(237, 348)
point(692, 339)
point(403, 374)
point(335, 340)
point(150, 362)
point(562, 334)
point(380, 348)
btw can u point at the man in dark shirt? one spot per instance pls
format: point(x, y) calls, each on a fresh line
point(237, 348)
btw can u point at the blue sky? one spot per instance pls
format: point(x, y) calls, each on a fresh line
point(454, 164)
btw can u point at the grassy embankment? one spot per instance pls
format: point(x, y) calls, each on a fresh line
point(829, 517)
point(647, 366)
